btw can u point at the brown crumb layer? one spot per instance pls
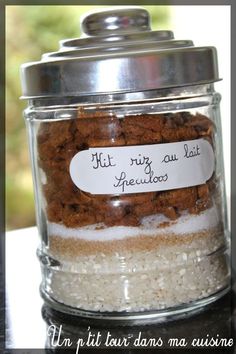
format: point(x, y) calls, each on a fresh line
point(59, 141)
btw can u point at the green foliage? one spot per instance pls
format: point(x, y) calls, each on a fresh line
point(30, 32)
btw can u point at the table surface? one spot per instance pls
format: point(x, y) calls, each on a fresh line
point(25, 308)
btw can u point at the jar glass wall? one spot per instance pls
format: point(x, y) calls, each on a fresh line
point(130, 255)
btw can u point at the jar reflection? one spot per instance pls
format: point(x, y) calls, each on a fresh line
point(65, 331)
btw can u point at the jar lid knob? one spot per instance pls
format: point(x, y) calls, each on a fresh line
point(117, 21)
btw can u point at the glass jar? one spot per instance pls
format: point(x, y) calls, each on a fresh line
point(126, 151)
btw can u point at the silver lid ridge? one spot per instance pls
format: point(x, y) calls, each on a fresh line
point(118, 53)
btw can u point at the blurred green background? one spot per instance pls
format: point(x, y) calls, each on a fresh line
point(30, 32)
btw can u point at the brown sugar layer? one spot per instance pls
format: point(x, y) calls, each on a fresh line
point(71, 248)
point(59, 141)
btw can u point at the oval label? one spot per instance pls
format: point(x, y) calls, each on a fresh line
point(143, 168)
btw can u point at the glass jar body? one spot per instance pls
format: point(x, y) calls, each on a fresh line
point(140, 251)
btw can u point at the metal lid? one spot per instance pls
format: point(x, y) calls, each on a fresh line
point(118, 53)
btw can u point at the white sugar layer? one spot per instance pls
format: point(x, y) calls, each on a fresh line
point(151, 226)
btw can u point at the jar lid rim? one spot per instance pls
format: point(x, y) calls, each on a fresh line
point(118, 52)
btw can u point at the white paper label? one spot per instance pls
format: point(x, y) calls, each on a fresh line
point(143, 168)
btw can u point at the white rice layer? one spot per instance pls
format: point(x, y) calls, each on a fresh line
point(181, 281)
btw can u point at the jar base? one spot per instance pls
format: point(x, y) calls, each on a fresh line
point(136, 318)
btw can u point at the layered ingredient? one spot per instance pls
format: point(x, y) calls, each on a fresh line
point(129, 252)
point(59, 141)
